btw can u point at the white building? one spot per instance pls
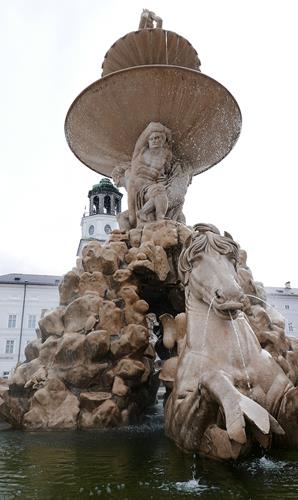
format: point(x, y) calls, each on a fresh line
point(285, 300)
point(24, 298)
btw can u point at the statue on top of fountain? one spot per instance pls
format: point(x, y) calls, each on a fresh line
point(148, 18)
point(156, 185)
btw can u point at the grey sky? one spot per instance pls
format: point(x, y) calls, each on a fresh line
point(52, 49)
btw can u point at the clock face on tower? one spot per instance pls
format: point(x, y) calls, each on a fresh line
point(108, 229)
point(91, 229)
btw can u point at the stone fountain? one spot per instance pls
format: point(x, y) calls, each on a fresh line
point(152, 122)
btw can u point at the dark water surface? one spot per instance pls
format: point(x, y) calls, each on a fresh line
point(133, 463)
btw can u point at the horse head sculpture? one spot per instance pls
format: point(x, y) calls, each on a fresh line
point(208, 266)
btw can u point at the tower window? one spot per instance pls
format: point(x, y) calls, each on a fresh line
point(95, 209)
point(117, 205)
point(107, 204)
point(91, 229)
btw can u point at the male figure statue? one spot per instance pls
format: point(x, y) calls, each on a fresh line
point(147, 195)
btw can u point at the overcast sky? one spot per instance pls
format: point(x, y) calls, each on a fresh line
point(52, 49)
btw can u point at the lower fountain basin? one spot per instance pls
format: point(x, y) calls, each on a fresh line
point(133, 463)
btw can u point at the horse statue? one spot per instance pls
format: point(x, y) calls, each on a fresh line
point(228, 394)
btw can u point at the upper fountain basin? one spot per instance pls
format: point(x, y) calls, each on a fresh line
point(105, 120)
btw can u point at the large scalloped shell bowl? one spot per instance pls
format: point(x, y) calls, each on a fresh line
point(105, 120)
point(147, 47)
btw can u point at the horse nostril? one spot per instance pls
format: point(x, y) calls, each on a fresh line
point(218, 294)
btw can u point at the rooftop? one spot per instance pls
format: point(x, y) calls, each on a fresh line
point(286, 291)
point(30, 279)
point(104, 186)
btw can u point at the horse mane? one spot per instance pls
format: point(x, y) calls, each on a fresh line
point(205, 238)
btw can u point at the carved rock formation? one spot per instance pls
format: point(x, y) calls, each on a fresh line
point(94, 365)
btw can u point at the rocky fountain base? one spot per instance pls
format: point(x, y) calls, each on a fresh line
point(93, 363)
point(231, 373)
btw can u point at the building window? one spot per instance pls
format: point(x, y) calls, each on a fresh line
point(43, 312)
point(107, 229)
point(287, 306)
point(12, 320)
point(291, 329)
point(9, 348)
point(31, 321)
point(5, 374)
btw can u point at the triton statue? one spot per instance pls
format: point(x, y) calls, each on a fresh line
point(156, 186)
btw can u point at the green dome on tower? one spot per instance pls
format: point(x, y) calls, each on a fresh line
point(104, 186)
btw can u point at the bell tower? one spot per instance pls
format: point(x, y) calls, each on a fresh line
point(104, 206)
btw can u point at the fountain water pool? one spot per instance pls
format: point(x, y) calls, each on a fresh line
point(131, 463)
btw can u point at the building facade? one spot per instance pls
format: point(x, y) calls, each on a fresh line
point(285, 300)
point(24, 299)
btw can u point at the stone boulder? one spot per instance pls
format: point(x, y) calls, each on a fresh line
point(106, 414)
point(91, 257)
point(135, 309)
point(93, 282)
point(130, 370)
point(76, 360)
point(134, 339)
point(25, 372)
point(13, 408)
point(69, 288)
point(52, 407)
point(52, 323)
point(32, 349)
point(82, 314)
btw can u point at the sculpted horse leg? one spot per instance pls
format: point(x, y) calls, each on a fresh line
point(212, 420)
point(237, 407)
point(288, 418)
point(186, 418)
point(281, 395)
